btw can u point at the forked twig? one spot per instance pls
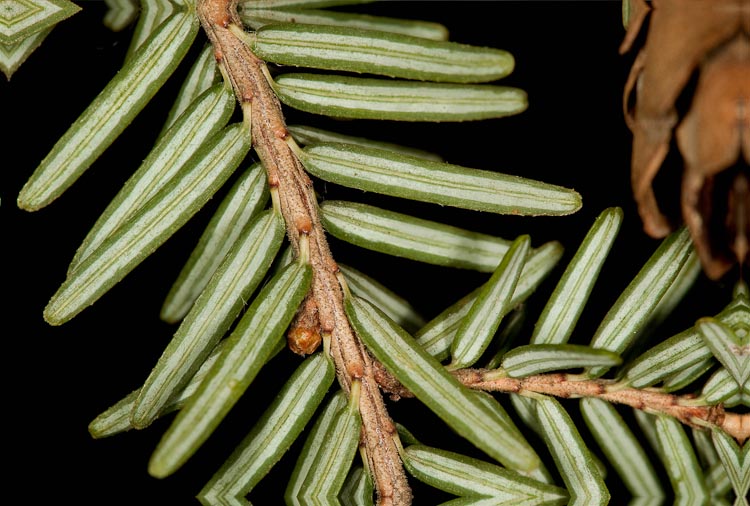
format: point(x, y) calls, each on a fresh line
point(322, 313)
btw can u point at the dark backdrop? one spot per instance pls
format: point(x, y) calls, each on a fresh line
point(61, 378)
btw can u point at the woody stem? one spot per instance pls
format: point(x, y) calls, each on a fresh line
point(681, 407)
point(323, 310)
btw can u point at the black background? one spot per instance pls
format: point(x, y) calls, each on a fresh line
point(58, 379)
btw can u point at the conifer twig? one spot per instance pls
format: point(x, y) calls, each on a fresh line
point(566, 385)
point(322, 312)
point(681, 407)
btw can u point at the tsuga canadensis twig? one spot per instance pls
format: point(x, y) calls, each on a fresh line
point(323, 310)
point(680, 407)
point(322, 313)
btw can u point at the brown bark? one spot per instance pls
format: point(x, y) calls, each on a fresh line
point(323, 311)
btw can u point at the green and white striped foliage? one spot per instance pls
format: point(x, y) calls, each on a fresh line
point(359, 50)
point(381, 171)
point(683, 358)
point(374, 68)
point(437, 389)
point(112, 111)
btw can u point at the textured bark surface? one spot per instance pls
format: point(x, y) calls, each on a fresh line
point(322, 313)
